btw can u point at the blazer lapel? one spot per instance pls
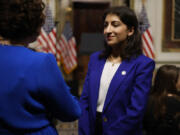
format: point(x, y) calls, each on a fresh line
point(96, 83)
point(117, 80)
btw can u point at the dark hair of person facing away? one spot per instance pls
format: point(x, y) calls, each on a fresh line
point(134, 42)
point(20, 19)
point(164, 83)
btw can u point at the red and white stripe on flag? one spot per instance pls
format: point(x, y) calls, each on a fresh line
point(68, 53)
point(148, 47)
point(47, 38)
point(145, 28)
point(48, 43)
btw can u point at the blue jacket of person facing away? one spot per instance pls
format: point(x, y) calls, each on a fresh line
point(32, 89)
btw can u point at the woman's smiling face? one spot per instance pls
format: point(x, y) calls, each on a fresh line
point(115, 31)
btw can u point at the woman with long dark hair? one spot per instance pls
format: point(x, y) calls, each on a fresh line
point(163, 111)
point(118, 79)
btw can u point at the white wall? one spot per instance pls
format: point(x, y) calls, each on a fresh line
point(155, 15)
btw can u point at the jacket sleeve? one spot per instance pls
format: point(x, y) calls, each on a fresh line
point(55, 93)
point(138, 99)
point(84, 123)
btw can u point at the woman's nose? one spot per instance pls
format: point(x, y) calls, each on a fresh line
point(108, 29)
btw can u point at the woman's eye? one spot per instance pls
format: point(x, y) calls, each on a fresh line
point(113, 24)
point(116, 24)
point(105, 25)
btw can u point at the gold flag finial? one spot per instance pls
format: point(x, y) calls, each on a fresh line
point(47, 1)
point(143, 1)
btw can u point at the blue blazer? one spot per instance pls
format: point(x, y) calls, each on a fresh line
point(32, 89)
point(126, 98)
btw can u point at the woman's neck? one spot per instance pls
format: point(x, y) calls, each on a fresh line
point(7, 42)
point(4, 42)
point(118, 49)
point(115, 59)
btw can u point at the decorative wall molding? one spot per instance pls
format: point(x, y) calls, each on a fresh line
point(92, 1)
point(155, 13)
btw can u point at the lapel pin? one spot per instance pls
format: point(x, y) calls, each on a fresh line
point(123, 72)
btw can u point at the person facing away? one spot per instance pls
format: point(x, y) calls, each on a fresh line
point(32, 89)
point(118, 79)
point(162, 115)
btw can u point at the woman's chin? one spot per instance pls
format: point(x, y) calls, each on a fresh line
point(111, 44)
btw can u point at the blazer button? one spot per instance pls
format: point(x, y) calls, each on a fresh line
point(105, 119)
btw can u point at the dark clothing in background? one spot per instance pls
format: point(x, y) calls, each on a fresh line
point(167, 125)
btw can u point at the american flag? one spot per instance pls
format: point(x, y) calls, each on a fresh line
point(144, 26)
point(47, 38)
point(67, 46)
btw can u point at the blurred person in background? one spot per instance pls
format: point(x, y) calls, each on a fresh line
point(162, 116)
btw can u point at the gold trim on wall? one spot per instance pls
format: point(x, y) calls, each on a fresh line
point(131, 4)
point(173, 22)
point(169, 43)
point(117, 2)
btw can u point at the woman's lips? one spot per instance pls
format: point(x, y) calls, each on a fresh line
point(110, 37)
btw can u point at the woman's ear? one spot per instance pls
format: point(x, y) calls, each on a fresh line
point(131, 31)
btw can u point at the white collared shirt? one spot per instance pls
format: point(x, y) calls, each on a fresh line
point(106, 77)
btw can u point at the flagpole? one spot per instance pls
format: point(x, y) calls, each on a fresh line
point(143, 2)
point(148, 46)
point(47, 2)
point(56, 23)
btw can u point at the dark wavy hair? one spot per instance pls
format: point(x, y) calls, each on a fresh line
point(134, 44)
point(20, 19)
point(165, 82)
